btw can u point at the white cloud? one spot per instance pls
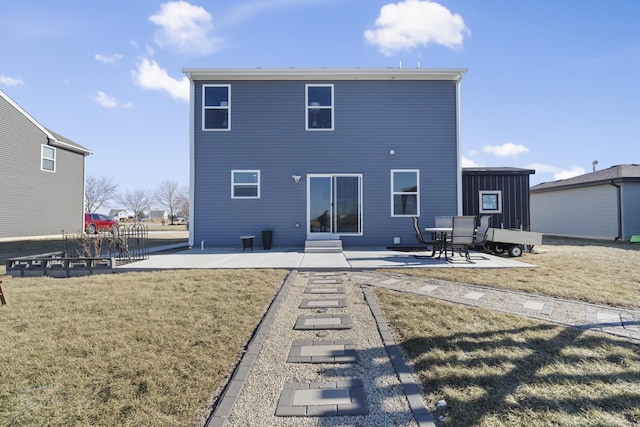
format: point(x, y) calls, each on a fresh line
point(413, 23)
point(10, 81)
point(185, 28)
point(557, 172)
point(569, 173)
point(149, 75)
point(469, 163)
point(505, 150)
point(105, 100)
point(108, 59)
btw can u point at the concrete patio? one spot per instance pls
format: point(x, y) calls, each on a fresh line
point(357, 259)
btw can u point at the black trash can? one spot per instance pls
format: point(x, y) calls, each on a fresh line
point(267, 237)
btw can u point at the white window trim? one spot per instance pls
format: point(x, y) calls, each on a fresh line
point(417, 193)
point(499, 193)
point(308, 107)
point(234, 185)
point(43, 158)
point(227, 107)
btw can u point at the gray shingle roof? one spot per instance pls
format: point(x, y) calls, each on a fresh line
point(616, 173)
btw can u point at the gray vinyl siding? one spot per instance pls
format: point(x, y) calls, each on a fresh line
point(417, 119)
point(631, 209)
point(588, 212)
point(36, 202)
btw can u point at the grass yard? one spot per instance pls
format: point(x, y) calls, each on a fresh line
point(599, 272)
point(134, 349)
point(495, 369)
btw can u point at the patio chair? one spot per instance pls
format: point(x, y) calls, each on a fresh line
point(481, 233)
point(463, 234)
point(435, 244)
point(444, 221)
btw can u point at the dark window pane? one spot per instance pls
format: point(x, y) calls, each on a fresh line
point(216, 96)
point(242, 191)
point(405, 204)
point(319, 118)
point(216, 118)
point(321, 95)
point(405, 182)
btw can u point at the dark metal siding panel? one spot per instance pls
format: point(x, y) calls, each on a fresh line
point(35, 202)
point(416, 119)
point(515, 198)
point(630, 209)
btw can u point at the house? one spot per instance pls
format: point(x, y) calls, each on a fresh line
point(42, 174)
point(500, 192)
point(315, 154)
point(603, 204)
point(158, 214)
point(120, 214)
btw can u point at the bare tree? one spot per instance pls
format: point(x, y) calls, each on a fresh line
point(168, 195)
point(98, 191)
point(137, 201)
point(183, 203)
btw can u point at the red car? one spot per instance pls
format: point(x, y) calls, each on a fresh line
point(95, 221)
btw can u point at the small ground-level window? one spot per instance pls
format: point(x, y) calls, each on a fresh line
point(48, 158)
point(405, 197)
point(491, 201)
point(245, 184)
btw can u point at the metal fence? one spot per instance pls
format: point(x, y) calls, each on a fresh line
point(125, 243)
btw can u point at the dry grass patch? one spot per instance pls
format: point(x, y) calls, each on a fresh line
point(495, 369)
point(588, 270)
point(124, 349)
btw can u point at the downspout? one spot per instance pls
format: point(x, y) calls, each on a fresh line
point(619, 196)
point(192, 161)
point(459, 155)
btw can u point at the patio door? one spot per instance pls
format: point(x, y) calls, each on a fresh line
point(334, 205)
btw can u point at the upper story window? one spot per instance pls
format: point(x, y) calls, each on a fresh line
point(245, 184)
point(48, 158)
point(491, 201)
point(319, 107)
point(405, 197)
point(216, 107)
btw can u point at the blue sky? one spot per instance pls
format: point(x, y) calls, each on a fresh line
point(552, 85)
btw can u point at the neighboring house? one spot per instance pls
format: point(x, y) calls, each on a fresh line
point(349, 154)
point(501, 192)
point(604, 204)
point(120, 214)
point(42, 175)
point(158, 214)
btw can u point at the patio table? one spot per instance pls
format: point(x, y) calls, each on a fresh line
point(440, 234)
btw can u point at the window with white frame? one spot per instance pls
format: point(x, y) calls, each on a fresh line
point(490, 201)
point(216, 107)
point(245, 184)
point(405, 195)
point(319, 107)
point(48, 162)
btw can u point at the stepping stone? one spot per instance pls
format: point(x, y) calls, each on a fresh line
point(323, 321)
point(324, 303)
point(473, 295)
point(335, 281)
point(429, 288)
point(607, 317)
point(322, 399)
point(323, 352)
point(533, 305)
point(324, 290)
point(390, 282)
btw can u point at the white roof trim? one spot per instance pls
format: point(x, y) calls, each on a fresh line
point(52, 140)
point(454, 74)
